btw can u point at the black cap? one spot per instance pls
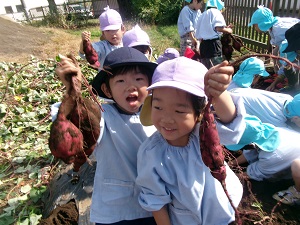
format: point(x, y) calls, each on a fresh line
point(292, 36)
point(125, 56)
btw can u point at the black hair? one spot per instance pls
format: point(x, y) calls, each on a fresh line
point(125, 69)
point(198, 104)
point(142, 48)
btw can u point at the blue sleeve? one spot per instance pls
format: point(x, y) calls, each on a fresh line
point(153, 195)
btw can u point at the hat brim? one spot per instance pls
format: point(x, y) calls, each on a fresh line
point(112, 27)
point(101, 76)
point(264, 74)
point(145, 114)
point(136, 43)
point(235, 147)
point(292, 47)
point(179, 85)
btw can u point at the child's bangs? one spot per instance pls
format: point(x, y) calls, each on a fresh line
point(132, 68)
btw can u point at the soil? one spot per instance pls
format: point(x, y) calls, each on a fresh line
point(18, 42)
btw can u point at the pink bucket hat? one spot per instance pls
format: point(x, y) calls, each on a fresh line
point(110, 19)
point(169, 53)
point(135, 36)
point(181, 73)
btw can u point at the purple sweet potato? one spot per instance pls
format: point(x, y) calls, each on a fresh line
point(213, 152)
point(66, 140)
point(90, 54)
point(86, 116)
point(73, 135)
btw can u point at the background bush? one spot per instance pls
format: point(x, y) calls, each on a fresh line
point(163, 12)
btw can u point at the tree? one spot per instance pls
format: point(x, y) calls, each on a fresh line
point(126, 9)
point(52, 7)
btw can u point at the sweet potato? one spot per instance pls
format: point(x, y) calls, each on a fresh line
point(211, 149)
point(213, 152)
point(90, 54)
point(73, 135)
point(65, 140)
point(86, 116)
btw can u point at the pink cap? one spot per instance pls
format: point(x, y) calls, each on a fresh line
point(181, 73)
point(136, 36)
point(169, 53)
point(110, 19)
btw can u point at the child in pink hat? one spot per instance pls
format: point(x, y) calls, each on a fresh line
point(138, 39)
point(176, 185)
point(169, 53)
point(112, 28)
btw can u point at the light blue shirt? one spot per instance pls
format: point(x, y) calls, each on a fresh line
point(278, 30)
point(187, 20)
point(207, 23)
point(274, 165)
point(115, 194)
point(266, 105)
point(177, 177)
point(102, 48)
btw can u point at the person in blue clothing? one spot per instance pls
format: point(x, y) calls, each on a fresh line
point(186, 25)
point(263, 20)
point(210, 26)
point(176, 186)
point(125, 78)
point(111, 25)
point(249, 72)
point(279, 109)
point(275, 148)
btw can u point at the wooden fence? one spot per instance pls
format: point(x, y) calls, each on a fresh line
point(239, 13)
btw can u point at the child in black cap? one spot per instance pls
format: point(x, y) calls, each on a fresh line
point(125, 77)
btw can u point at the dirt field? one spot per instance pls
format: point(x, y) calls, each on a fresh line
point(18, 42)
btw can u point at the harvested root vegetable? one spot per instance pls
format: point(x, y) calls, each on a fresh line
point(90, 54)
point(65, 140)
point(86, 116)
point(73, 135)
point(213, 152)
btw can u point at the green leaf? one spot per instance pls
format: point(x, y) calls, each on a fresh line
point(34, 219)
point(25, 189)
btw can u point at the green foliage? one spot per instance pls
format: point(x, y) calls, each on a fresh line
point(26, 164)
point(163, 12)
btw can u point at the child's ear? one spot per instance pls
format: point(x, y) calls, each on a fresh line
point(123, 28)
point(106, 90)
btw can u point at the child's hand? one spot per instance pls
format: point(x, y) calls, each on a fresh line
point(217, 79)
point(65, 69)
point(86, 35)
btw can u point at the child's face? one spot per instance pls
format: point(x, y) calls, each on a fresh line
point(129, 90)
point(114, 36)
point(197, 5)
point(296, 120)
point(173, 115)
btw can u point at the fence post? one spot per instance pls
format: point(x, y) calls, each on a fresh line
point(275, 7)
